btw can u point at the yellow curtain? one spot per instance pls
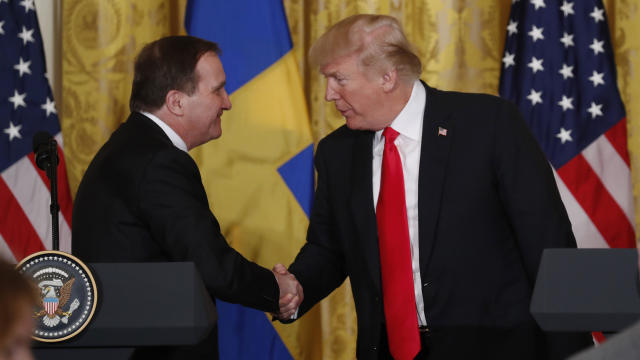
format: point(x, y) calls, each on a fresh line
point(459, 41)
point(624, 22)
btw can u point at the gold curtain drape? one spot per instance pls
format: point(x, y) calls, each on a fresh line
point(459, 41)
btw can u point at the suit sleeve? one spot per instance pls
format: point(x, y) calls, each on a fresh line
point(320, 265)
point(174, 205)
point(528, 190)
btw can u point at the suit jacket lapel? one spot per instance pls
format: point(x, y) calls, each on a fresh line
point(362, 204)
point(437, 135)
point(433, 160)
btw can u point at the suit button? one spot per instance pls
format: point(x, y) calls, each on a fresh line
point(377, 299)
point(374, 348)
point(427, 284)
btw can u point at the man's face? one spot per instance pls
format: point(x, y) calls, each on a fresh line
point(359, 97)
point(204, 107)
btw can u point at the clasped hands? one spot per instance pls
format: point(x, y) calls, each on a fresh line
point(291, 294)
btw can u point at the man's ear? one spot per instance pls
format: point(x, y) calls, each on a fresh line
point(389, 80)
point(174, 102)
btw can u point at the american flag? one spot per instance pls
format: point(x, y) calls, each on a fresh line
point(558, 67)
point(26, 107)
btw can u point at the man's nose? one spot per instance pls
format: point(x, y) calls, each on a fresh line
point(227, 102)
point(330, 94)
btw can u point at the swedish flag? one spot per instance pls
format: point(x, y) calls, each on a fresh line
point(259, 174)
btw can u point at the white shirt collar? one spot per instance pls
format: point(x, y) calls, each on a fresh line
point(173, 136)
point(405, 123)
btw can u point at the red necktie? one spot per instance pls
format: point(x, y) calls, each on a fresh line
point(395, 255)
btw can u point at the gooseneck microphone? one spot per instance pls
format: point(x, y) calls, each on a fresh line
point(45, 149)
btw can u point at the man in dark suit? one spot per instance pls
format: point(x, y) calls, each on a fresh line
point(142, 198)
point(437, 206)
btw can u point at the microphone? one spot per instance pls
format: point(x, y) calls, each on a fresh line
point(42, 149)
point(45, 148)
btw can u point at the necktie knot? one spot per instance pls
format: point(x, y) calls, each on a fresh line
point(390, 135)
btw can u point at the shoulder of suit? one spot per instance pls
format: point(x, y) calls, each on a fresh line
point(140, 131)
point(140, 142)
point(458, 97)
point(466, 104)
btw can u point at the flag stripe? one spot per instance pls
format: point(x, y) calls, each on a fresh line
point(612, 171)
point(64, 198)
point(586, 233)
point(34, 198)
point(15, 228)
point(31, 194)
point(60, 141)
point(5, 251)
point(64, 192)
point(596, 201)
point(617, 135)
point(64, 235)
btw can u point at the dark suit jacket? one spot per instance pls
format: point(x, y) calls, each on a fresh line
point(142, 199)
point(488, 205)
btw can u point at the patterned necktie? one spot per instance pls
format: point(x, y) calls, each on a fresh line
point(395, 255)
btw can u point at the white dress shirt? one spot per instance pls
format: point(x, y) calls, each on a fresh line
point(173, 136)
point(409, 124)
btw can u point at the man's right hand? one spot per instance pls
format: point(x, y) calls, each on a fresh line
point(291, 294)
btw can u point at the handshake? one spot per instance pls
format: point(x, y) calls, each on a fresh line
point(291, 294)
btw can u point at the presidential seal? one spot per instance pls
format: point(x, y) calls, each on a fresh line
point(67, 292)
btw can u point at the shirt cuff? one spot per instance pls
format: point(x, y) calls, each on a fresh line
point(295, 315)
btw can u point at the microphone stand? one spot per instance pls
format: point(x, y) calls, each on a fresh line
point(52, 174)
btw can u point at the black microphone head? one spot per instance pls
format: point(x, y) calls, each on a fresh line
point(39, 139)
point(42, 140)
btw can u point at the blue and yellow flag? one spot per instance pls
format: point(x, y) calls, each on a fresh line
point(259, 174)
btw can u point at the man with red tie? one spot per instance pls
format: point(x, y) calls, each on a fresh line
point(437, 206)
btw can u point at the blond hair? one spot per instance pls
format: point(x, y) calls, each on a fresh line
point(377, 40)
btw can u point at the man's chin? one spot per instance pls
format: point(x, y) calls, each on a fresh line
point(353, 125)
point(216, 132)
point(356, 126)
point(216, 135)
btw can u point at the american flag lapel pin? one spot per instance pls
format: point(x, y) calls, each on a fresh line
point(442, 131)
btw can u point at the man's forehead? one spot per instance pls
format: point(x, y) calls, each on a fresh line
point(337, 65)
point(209, 63)
point(328, 69)
point(209, 60)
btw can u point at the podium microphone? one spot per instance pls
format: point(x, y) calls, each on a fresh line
point(41, 149)
point(45, 149)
